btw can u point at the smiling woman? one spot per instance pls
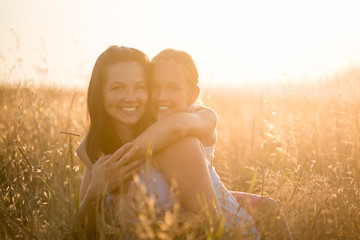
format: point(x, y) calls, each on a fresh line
point(119, 79)
point(125, 93)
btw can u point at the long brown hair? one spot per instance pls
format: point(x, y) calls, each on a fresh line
point(102, 136)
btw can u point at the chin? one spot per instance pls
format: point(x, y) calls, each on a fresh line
point(130, 121)
point(163, 115)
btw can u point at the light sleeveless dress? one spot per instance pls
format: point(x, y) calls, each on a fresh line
point(157, 187)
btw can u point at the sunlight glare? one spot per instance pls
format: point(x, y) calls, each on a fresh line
point(232, 42)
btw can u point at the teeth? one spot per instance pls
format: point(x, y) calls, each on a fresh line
point(162, 108)
point(128, 109)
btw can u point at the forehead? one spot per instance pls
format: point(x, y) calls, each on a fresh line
point(124, 72)
point(169, 71)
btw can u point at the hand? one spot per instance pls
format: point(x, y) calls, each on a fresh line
point(249, 201)
point(109, 172)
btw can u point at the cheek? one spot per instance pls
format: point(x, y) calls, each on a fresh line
point(143, 97)
point(181, 103)
point(107, 106)
point(106, 101)
point(110, 99)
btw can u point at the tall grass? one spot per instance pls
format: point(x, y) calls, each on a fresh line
point(300, 145)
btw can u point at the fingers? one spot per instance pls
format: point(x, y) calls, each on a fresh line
point(131, 166)
point(121, 151)
point(128, 171)
point(118, 154)
point(114, 177)
point(125, 159)
point(123, 172)
point(132, 172)
point(101, 160)
point(116, 167)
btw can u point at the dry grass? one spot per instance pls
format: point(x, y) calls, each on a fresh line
point(300, 145)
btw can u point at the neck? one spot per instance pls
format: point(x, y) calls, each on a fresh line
point(123, 132)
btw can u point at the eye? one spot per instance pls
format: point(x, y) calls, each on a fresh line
point(174, 88)
point(141, 87)
point(117, 88)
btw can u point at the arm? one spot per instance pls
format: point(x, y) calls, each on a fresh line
point(200, 124)
point(249, 200)
point(187, 171)
point(107, 174)
point(84, 184)
point(86, 216)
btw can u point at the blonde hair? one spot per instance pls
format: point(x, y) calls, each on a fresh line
point(183, 60)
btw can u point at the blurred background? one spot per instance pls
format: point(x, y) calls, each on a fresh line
point(283, 77)
point(234, 43)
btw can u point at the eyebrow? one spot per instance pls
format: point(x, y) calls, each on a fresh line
point(116, 83)
point(173, 83)
point(140, 82)
point(122, 83)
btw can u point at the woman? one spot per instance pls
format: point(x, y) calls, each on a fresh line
point(117, 99)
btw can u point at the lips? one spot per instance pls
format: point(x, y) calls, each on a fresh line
point(163, 108)
point(129, 109)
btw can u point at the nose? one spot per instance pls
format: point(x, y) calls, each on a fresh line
point(130, 95)
point(161, 95)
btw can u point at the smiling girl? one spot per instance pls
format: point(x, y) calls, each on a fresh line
point(174, 89)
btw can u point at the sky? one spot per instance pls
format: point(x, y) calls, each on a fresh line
point(233, 42)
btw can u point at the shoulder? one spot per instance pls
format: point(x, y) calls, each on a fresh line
point(86, 161)
point(81, 153)
point(209, 110)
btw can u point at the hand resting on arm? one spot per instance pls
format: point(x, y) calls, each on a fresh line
point(200, 124)
point(106, 175)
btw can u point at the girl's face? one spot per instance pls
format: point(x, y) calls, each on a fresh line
point(124, 92)
point(170, 92)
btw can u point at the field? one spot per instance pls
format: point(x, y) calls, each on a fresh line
point(297, 143)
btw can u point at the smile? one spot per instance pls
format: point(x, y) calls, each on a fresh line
point(163, 108)
point(129, 109)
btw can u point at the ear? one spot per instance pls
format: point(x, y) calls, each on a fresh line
point(194, 95)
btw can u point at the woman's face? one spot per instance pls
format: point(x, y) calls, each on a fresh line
point(170, 92)
point(125, 94)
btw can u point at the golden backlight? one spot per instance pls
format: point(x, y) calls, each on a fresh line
point(232, 42)
point(277, 136)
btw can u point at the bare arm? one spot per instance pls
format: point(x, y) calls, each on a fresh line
point(84, 184)
point(200, 124)
point(107, 174)
point(188, 171)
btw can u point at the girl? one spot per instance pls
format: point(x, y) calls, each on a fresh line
point(174, 89)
